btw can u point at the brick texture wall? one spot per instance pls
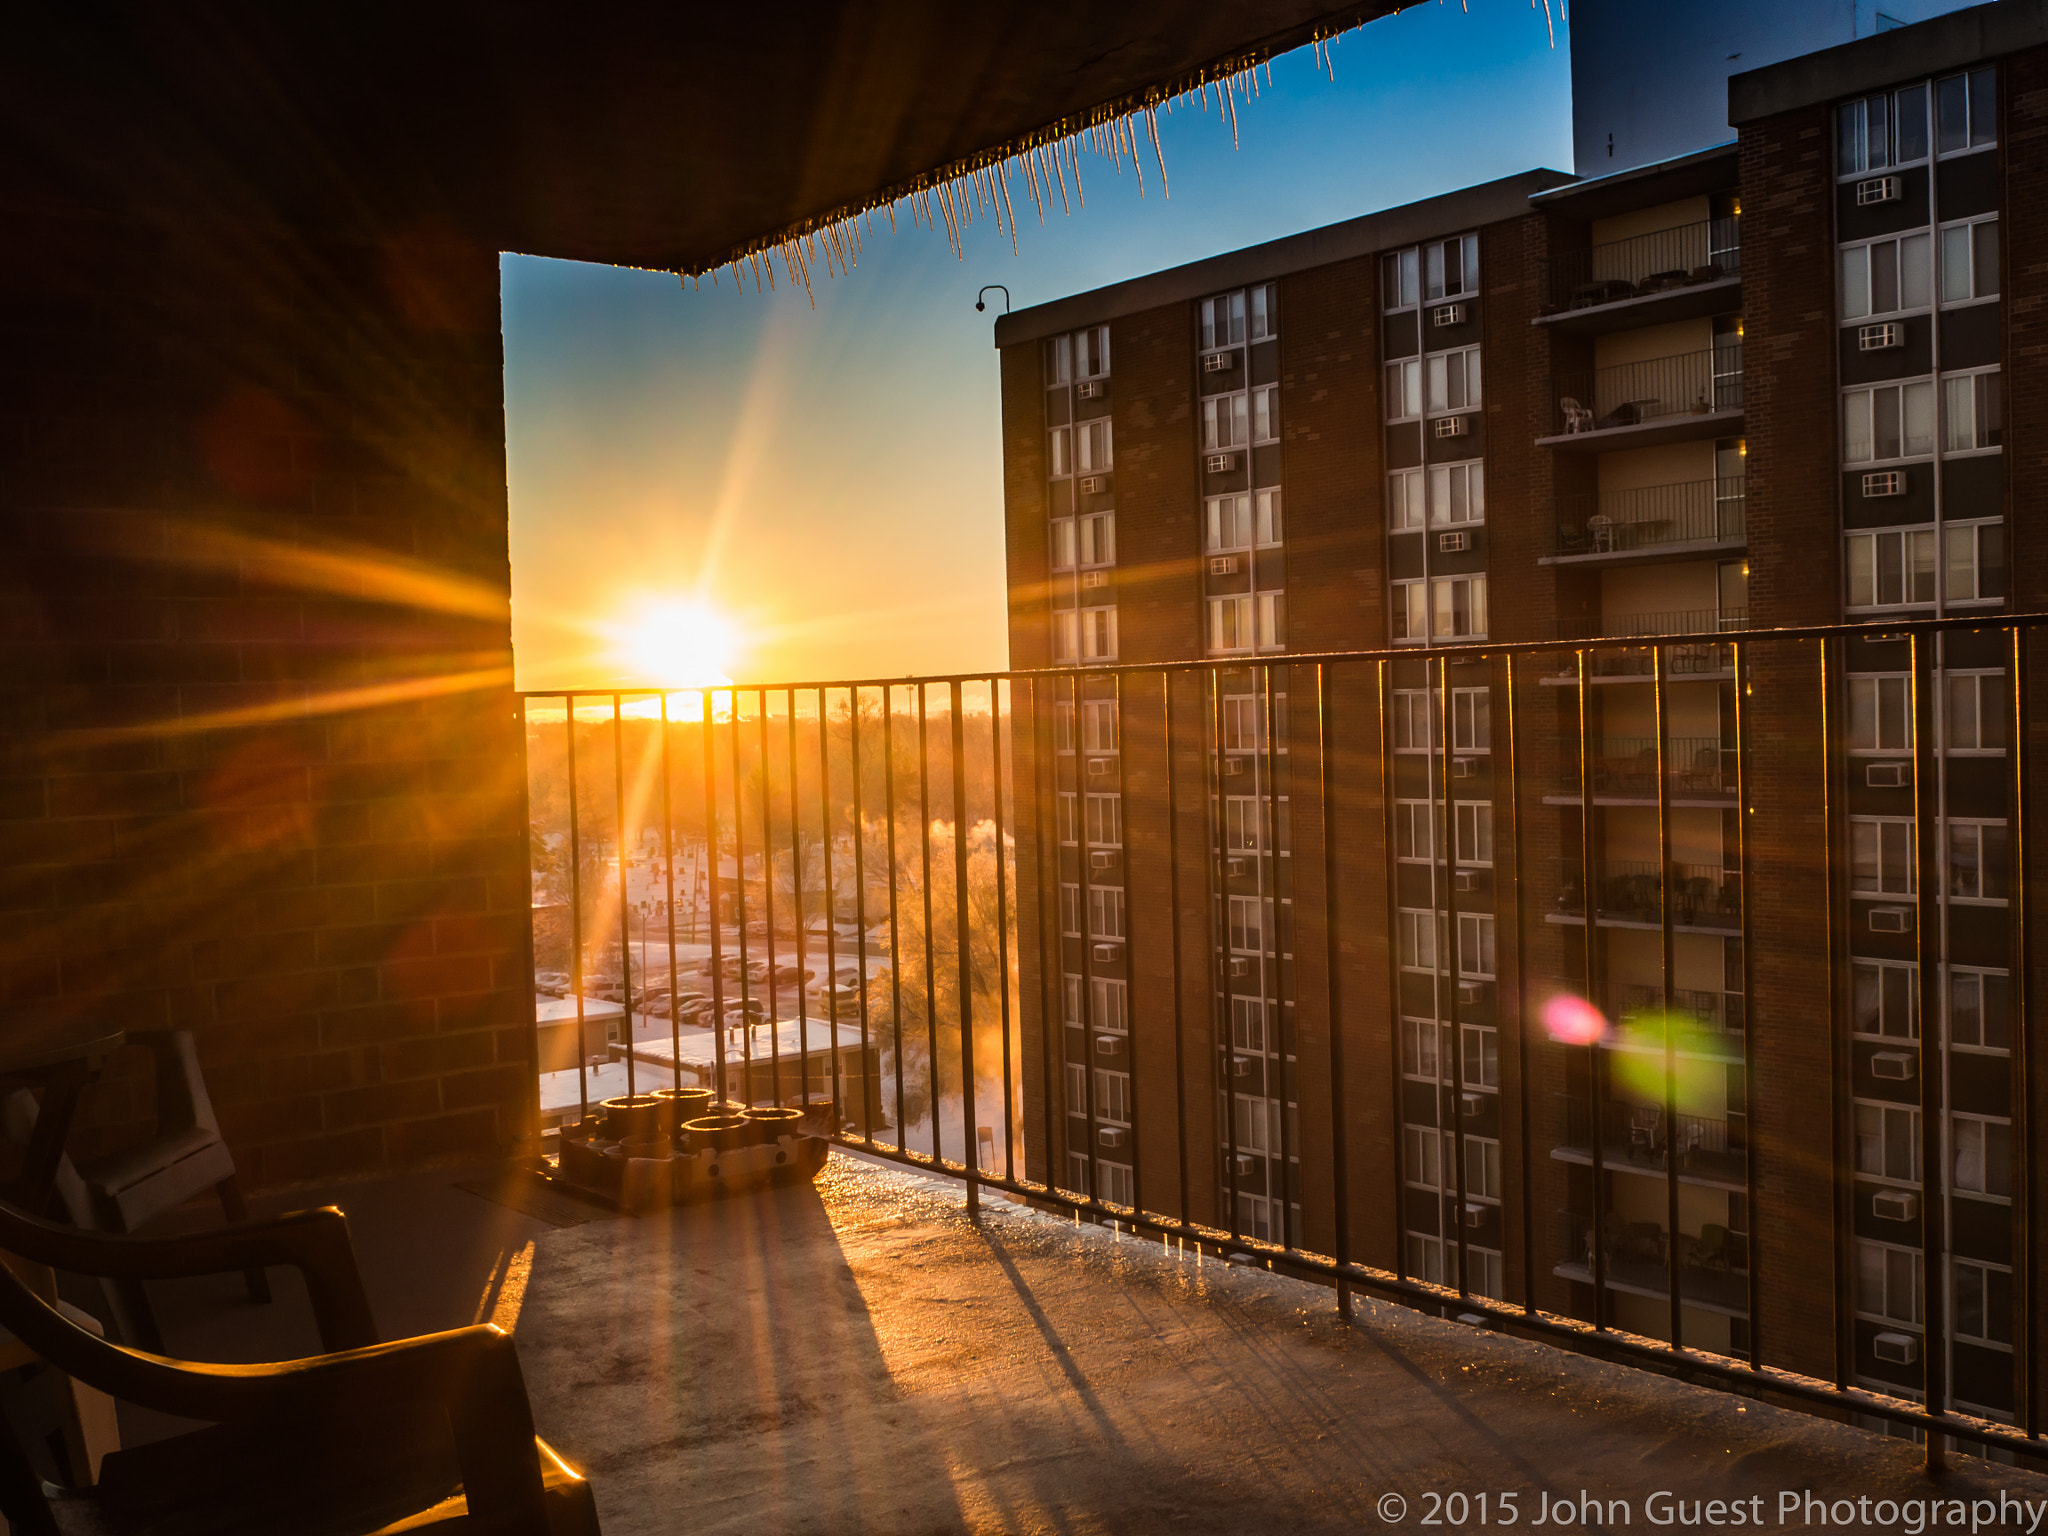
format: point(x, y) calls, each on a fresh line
point(261, 772)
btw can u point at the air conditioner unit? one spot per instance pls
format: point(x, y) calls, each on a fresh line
point(1223, 565)
point(1109, 1045)
point(1219, 362)
point(1239, 966)
point(1237, 866)
point(1472, 1103)
point(1233, 766)
point(1094, 485)
point(1880, 338)
point(1466, 880)
point(1107, 954)
point(1891, 920)
point(1895, 1205)
point(1894, 1066)
point(1099, 767)
point(1471, 991)
point(1888, 775)
point(1896, 1348)
point(1241, 1066)
point(1453, 426)
point(1453, 543)
point(1475, 1214)
point(1447, 314)
point(1092, 389)
point(1220, 463)
point(1464, 767)
point(1090, 580)
point(1113, 1136)
point(1878, 189)
point(1244, 1165)
point(1885, 482)
point(1102, 861)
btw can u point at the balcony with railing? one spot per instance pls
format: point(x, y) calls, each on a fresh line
point(1640, 1138)
point(1712, 1264)
point(1630, 893)
point(1624, 768)
point(1659, 400)
point(1652, 520)
point(1670, 274)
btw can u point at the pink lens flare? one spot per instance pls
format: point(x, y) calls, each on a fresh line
point(1573, 1021)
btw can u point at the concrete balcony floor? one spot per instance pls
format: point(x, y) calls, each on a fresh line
point(859, 1356)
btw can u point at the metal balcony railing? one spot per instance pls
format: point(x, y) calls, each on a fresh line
point(1635, 394)
point(1616, 522)
point(854, 895)
point(1661, 262)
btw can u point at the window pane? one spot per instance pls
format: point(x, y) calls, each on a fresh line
point(1919, 400)
point(1884, 422)
point(1913, 254)
point(1890, 568)
point(1923, 567)
point(1984, 243)
point(1851, 137)
point(1983, 106)
point(1955, 264)
point(1951, 114)
point(1884, 277)
point(1855, 283)
point(1910, 123)
point(1856, 428)
point(1862, 573)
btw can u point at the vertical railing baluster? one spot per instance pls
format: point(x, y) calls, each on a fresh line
point(1051, 982)
point(931, 989)
point(668, 860)
point(995, 750)
point(1834, 803)
point(1595, 1064)
point(625, 908)
point(739, 875)
point(964, 958)
point(860, 915)
point(1086, 889)
point(1130, 1055)
point(796, 896)
point(1527, 1177)
point(1219, 947)
point(1927, 934)
point(1444, 888)
point(714, 922)
point(774, 1009)
point(576, 913)
point(1333, 1006)
point(831, 915)
point(1279, 1028)
point(895, 937)
point(1667, 960)
point(1739, 661)
point(1398, 1166)
point(1180, 1054)
point(2020, 1060)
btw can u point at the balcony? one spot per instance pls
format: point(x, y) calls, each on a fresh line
point(1672, 274)
point(1634, 1139)
point(1639, 405)
point(1713, 1265)
point(1630, 894)
point(1697, 770)
point(1659, 521)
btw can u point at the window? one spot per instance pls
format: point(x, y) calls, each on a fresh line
point(1883, 130)
point(1244, 721)
point(1420, 1041)
point(1401, 279)
point(1417, 940)
point(1472, 719)
point(1883, 999)
point(1225, 422)
point(1071, 996)
point(1972, 412)
point(1414, 831)
point(1119, 1184)
point(1077, 1170)
point(1093, 440)
point(1062, 451)
point(1969, 261)
point(1266, 513)
point(1426, 1259)
point(1105, 912)
point(1977, 1010)
point(1070, 910)
point(1973, 562)
point(1062, 543)
point(1460, 603)
point(1266, 413)
point(1888, 1141)
point(1880, 716)
point(1244, 819)
point(1881, 855)
point(1099, 726)
point(1059, 360)
point(1482, 1168)
point(1885, 276)
point(1272, 620)
point(1256, 1124)
point(1098, 539)
point(1966, 111)
point(1068, 822)
point(1410, 610)
point(1112, 1005)
point(1976, 860)
point(1063, 726)
point(1423, 1146)
point(1265, 311)
point(1091, 352)
point(1983, 1312)
point(1222, 321)
point(1248, 1024)
point(1098, 634)
point(1106, 821)
point(1888, 1282)
point(1975, 718)
point(1247, 923)
point(1891, 421)
point(1457, 494)
point(1453, 381)
point(1475, 944)
point(1488, 1277)
point(1414, 720)
point(1229, 522)
point(1891, 569)
point(1983, 1154)
point(1404, 499)
point(1113, 1096)
point(1404, 390)
point(1230, 624)
point(1475, 832)
point(1482, 1055)
point(1066, 636)
point(1450, 267)
point(1077, 1088)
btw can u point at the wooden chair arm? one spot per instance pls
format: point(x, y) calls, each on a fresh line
point(315, 1242)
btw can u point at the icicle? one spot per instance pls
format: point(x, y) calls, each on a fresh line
point(1014, 251)
point(1158, 150)
point(1230, 97)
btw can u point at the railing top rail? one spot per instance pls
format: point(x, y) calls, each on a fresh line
point(1487, 650)
point(1728, 221)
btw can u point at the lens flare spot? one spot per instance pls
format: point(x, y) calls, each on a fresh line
point(682, 645)
point(1574, 1021)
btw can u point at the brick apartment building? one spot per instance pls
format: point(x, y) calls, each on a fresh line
point(1773, 382)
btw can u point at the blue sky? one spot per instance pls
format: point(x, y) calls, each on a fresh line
point(831, 479)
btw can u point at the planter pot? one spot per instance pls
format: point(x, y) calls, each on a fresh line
point(679, 1105)
point(767, 1124)
point(656, 1148)
point(714, 1133)
point(639, 1115)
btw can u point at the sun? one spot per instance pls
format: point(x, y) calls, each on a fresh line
point(682, 645)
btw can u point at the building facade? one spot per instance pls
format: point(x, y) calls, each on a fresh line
point(1766, 384)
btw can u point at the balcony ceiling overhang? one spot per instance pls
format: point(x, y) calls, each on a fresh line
point(671, 136)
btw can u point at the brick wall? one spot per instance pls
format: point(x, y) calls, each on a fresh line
point(1158, 503)
point(262, 768)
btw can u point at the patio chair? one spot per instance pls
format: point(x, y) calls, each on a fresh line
point(185, 1157)
point(1576, 417)
point(1711, 1249)
point(1605, 531)
point(431, 1433)
point(1642, 1133)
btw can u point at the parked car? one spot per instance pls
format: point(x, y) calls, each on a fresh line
point(553, 983)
